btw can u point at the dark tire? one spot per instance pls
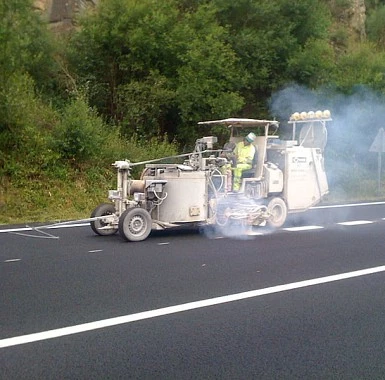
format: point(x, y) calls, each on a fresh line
point(97, 225)
point(278, 212)
point(135, 224)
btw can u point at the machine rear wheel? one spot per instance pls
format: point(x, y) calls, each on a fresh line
point(278, 212)
point(98, 226)
point(135, 224)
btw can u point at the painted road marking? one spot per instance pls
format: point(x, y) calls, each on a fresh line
point(350, 205)
point(50, 334)
point(11, 260)
point(166, 243)
point(356, 222)
point(95, 250)
point(82, 223)
point(303, 228)
point(44, 227)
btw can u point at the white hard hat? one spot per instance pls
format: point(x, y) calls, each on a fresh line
point(251, 137)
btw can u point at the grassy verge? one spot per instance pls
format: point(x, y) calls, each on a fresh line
point(52, 200)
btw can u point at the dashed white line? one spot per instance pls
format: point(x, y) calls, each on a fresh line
point(356, 222)
point(95, 250)
point(303, 228)
point(70, 330)
point(11, 260)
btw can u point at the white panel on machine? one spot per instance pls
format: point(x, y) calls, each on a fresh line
point(186, 197)
point(274, 178)
point(304, 183)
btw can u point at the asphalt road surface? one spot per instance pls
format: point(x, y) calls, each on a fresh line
point(304, 302)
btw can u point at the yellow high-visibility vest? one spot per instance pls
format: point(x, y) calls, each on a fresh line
point(244, 153)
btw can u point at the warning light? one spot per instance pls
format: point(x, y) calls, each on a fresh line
point(311, 115)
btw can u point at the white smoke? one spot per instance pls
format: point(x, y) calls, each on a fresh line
point(351, 169)
point(356, 120)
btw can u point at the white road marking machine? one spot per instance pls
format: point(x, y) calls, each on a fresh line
point(288, 176)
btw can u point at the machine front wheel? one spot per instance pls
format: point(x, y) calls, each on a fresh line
point(278, 212)
point(100, 227)
point(135, 224)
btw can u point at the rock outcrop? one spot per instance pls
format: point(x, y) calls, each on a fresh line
point(351, 14)
point(61, 13)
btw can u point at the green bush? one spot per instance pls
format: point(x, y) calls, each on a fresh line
point(25, 123)
point(375, 25)
point(79, 135)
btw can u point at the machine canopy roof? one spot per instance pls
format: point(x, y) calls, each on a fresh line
point(240, 122)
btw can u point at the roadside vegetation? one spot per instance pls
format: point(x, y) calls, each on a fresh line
point(132, 79)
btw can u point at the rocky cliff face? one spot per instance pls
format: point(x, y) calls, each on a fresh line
point(358, 17)
point(351, 14)
point(61, 13)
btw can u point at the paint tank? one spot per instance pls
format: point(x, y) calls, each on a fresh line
point(186, 199)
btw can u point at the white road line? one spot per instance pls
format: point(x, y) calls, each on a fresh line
point(166, 243)
point(95, 250)
point(302, 228)
point(79, 223)
point(349, 205)
point(356, 222)
point(45, 227)
point(23, 339)
point(11, 260)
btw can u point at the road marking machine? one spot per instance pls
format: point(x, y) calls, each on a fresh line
point(287, 176)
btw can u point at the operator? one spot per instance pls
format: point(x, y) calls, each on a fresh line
point(244, 153)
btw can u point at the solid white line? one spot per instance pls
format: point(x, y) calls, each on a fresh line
point(8, 342)
point(303, 228)
point(349, 205)
point(355, 222)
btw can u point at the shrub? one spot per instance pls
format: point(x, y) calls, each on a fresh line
point(79, 135)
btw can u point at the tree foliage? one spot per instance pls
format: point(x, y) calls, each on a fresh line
point(363, 65)
point(25, 66)
point(152, 68)
point(135, 76)
point(376, 25)
point(268, 36)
